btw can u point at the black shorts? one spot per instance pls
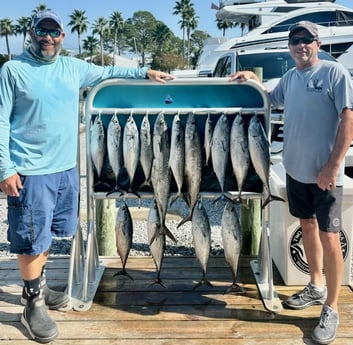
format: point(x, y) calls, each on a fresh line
point(307, 200)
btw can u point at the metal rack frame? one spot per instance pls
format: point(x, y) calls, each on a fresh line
point(86, 267)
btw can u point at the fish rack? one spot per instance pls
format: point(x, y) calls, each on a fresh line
point(202, 96)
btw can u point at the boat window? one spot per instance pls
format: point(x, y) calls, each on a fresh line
point(223, 67)
point(324, 18)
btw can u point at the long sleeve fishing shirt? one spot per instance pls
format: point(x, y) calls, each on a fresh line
point(39, 109)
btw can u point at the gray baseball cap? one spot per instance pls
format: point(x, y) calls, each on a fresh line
point(310, 27)
point(41, 15)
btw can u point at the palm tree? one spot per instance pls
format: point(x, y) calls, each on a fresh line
point(90, 45)
point(7, 28)
point(40, 7)
point(116, 23)
point(24, 24)
point(224, 25)
point(100, 27)
point(79, 24)
point(188, 21)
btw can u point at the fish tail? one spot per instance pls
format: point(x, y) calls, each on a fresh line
point(203, 281)
point(178, 195)
point(271, 198)
point(235, 289)
point(123, 272)
point(184, 220)
point(167, 232)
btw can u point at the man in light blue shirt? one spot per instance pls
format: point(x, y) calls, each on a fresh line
point(39, 98)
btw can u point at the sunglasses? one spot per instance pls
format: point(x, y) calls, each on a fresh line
point(294, 41)
point(41, 32)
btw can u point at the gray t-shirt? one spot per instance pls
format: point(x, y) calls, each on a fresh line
point(313, 100)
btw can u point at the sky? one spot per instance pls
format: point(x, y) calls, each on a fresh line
point(161, 9)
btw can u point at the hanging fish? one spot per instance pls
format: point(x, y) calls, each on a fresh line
point(259, 148)
point(239, 152)
point(208, 139)
point(201, 233)
point(193, 164)
point(131, 150)
point(115, 148)
point(124, 233)
point(177, 156)
point(220, 151)
point(156, 241)
point(98, 146)
point(160, 176)
point(232, 242)
point(146, 150)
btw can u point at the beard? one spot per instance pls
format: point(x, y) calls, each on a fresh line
point(39, 49)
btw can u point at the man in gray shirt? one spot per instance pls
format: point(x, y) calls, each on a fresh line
point(318, 129)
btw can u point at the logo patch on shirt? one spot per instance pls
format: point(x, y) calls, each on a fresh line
point(315, 85)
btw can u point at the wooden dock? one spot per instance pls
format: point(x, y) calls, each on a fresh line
point(137, 312)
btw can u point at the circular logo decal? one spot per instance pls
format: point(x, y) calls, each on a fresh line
point(297, 254)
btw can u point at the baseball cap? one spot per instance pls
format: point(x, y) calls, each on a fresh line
point(304, 25)
point(41, 15)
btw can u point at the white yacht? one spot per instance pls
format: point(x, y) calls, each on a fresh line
point(268, 23)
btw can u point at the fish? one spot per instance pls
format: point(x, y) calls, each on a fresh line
point(177, 156)
point(208, 139)
point(124, 235)
point(98, 146)
point(232, 242)
point(115, 148)
point(239, 152)
point(220, 151)
point(161, 174)
point(201, 233)
point(131, 150)
point(146, 150)
point(193, 165)
point(259, 148)
point(157, 246)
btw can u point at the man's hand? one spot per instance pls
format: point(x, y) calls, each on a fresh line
point(11, 185)
point(161, 77)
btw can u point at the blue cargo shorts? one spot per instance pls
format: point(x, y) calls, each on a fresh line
point(47, 207)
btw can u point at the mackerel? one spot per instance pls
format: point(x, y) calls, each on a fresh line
point(146, 150)
point(161, 175)
point(193, 164)
point(208, 139)
point(177, 156)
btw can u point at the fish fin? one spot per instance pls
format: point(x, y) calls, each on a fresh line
point(159, 282)
point(123, 273)
point(271, 198)
point(203, 281)
point(223, 196)
point(166, 231)
point(235, 289)
point(184, 220)
point(155, 235)
point(178, 195)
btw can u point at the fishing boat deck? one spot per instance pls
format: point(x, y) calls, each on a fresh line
point(131, 312)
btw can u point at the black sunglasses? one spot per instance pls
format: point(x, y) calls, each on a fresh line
point(41, 32)
point(294, 41)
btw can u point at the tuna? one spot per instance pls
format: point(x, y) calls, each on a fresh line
point(161, 174)
point(115, 149)
point(239, 152)
point(259, 148)
point(131, 149)
point(156, 241)
point(220, 151)
point(98, 146)
point(124, 233)
point(201, 233)
point(232, 243)
point(193, 164)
